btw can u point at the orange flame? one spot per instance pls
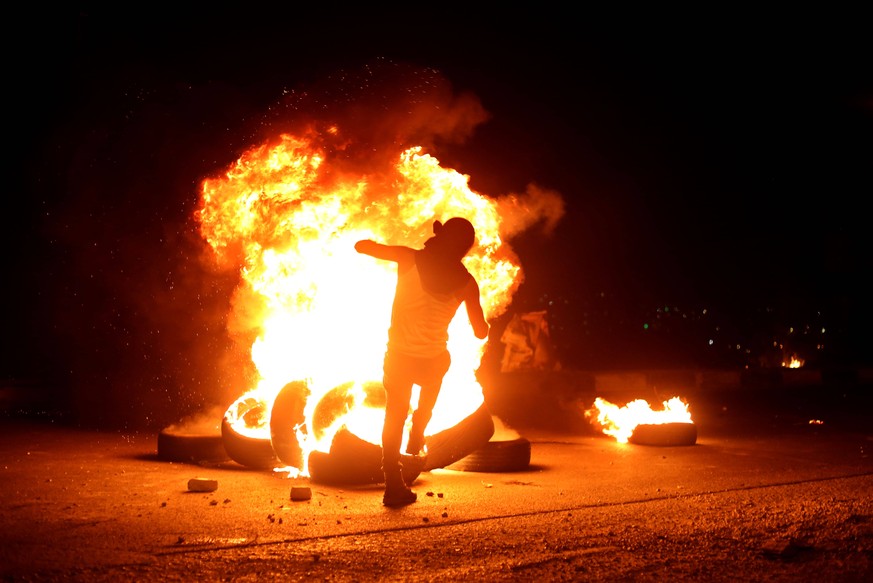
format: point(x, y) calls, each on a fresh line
point(288, 214)
point(620, 422)
point(793, 362)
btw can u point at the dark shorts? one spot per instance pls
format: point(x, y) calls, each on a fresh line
point(401, 369)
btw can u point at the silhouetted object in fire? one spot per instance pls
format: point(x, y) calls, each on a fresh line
point(432, 283)
point(528, 345)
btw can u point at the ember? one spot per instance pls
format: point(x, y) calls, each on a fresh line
point(287, 215)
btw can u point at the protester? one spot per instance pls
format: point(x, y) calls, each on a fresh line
point(432, 283)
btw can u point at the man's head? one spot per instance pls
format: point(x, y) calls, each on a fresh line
point(455, 237)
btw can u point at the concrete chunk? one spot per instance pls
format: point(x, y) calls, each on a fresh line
point(202, 485)
point(301, 493)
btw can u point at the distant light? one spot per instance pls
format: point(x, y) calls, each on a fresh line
point(645, 326)
point(710, 342)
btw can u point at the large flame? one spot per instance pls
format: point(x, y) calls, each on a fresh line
point(620, 422)
point(288, 213)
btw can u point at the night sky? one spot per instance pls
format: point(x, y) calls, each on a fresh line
point(719, 162)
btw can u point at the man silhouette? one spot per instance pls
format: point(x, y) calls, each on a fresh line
point(432, 283)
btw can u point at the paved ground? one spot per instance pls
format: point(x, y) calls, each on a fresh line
point(764, 495)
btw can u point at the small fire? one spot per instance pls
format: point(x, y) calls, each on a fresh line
point(620, 422)
point(793, 362)
point(287, 214)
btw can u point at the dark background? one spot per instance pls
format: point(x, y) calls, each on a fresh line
point(716, 169)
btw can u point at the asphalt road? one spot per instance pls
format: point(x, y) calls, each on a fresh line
point(763, 495)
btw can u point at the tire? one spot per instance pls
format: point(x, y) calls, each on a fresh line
point(339, 400)
point(177, 446)
point(497, 456)
point(287, 413)
point(664, 434)
point(448, 446)
point(251, 452)
point(353, 460)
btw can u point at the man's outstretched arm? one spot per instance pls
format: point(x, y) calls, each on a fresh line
point(397, 253)
point(474, 310)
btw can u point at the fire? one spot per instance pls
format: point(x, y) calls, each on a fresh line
point(793, 362)
point(620, 422)
point(288, 213)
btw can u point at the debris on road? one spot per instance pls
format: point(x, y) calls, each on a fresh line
point(202, 485)
point(783, 548)
point(299, 493)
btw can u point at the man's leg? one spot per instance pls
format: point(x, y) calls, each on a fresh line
point(430, 389)
point(398, 391)
point(421, 417)
point(396, 411)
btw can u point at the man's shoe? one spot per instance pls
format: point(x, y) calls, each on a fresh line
point(396, 496)
point(397, 493)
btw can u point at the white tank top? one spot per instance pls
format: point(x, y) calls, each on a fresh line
point(419, 319)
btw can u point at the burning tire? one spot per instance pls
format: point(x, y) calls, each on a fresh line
point(286, 415)
point(449, 446)
point(353, 460)
point(496, 456)
point(664, 434)
point(252, 452)
point(175, 445)
point(340, 400)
